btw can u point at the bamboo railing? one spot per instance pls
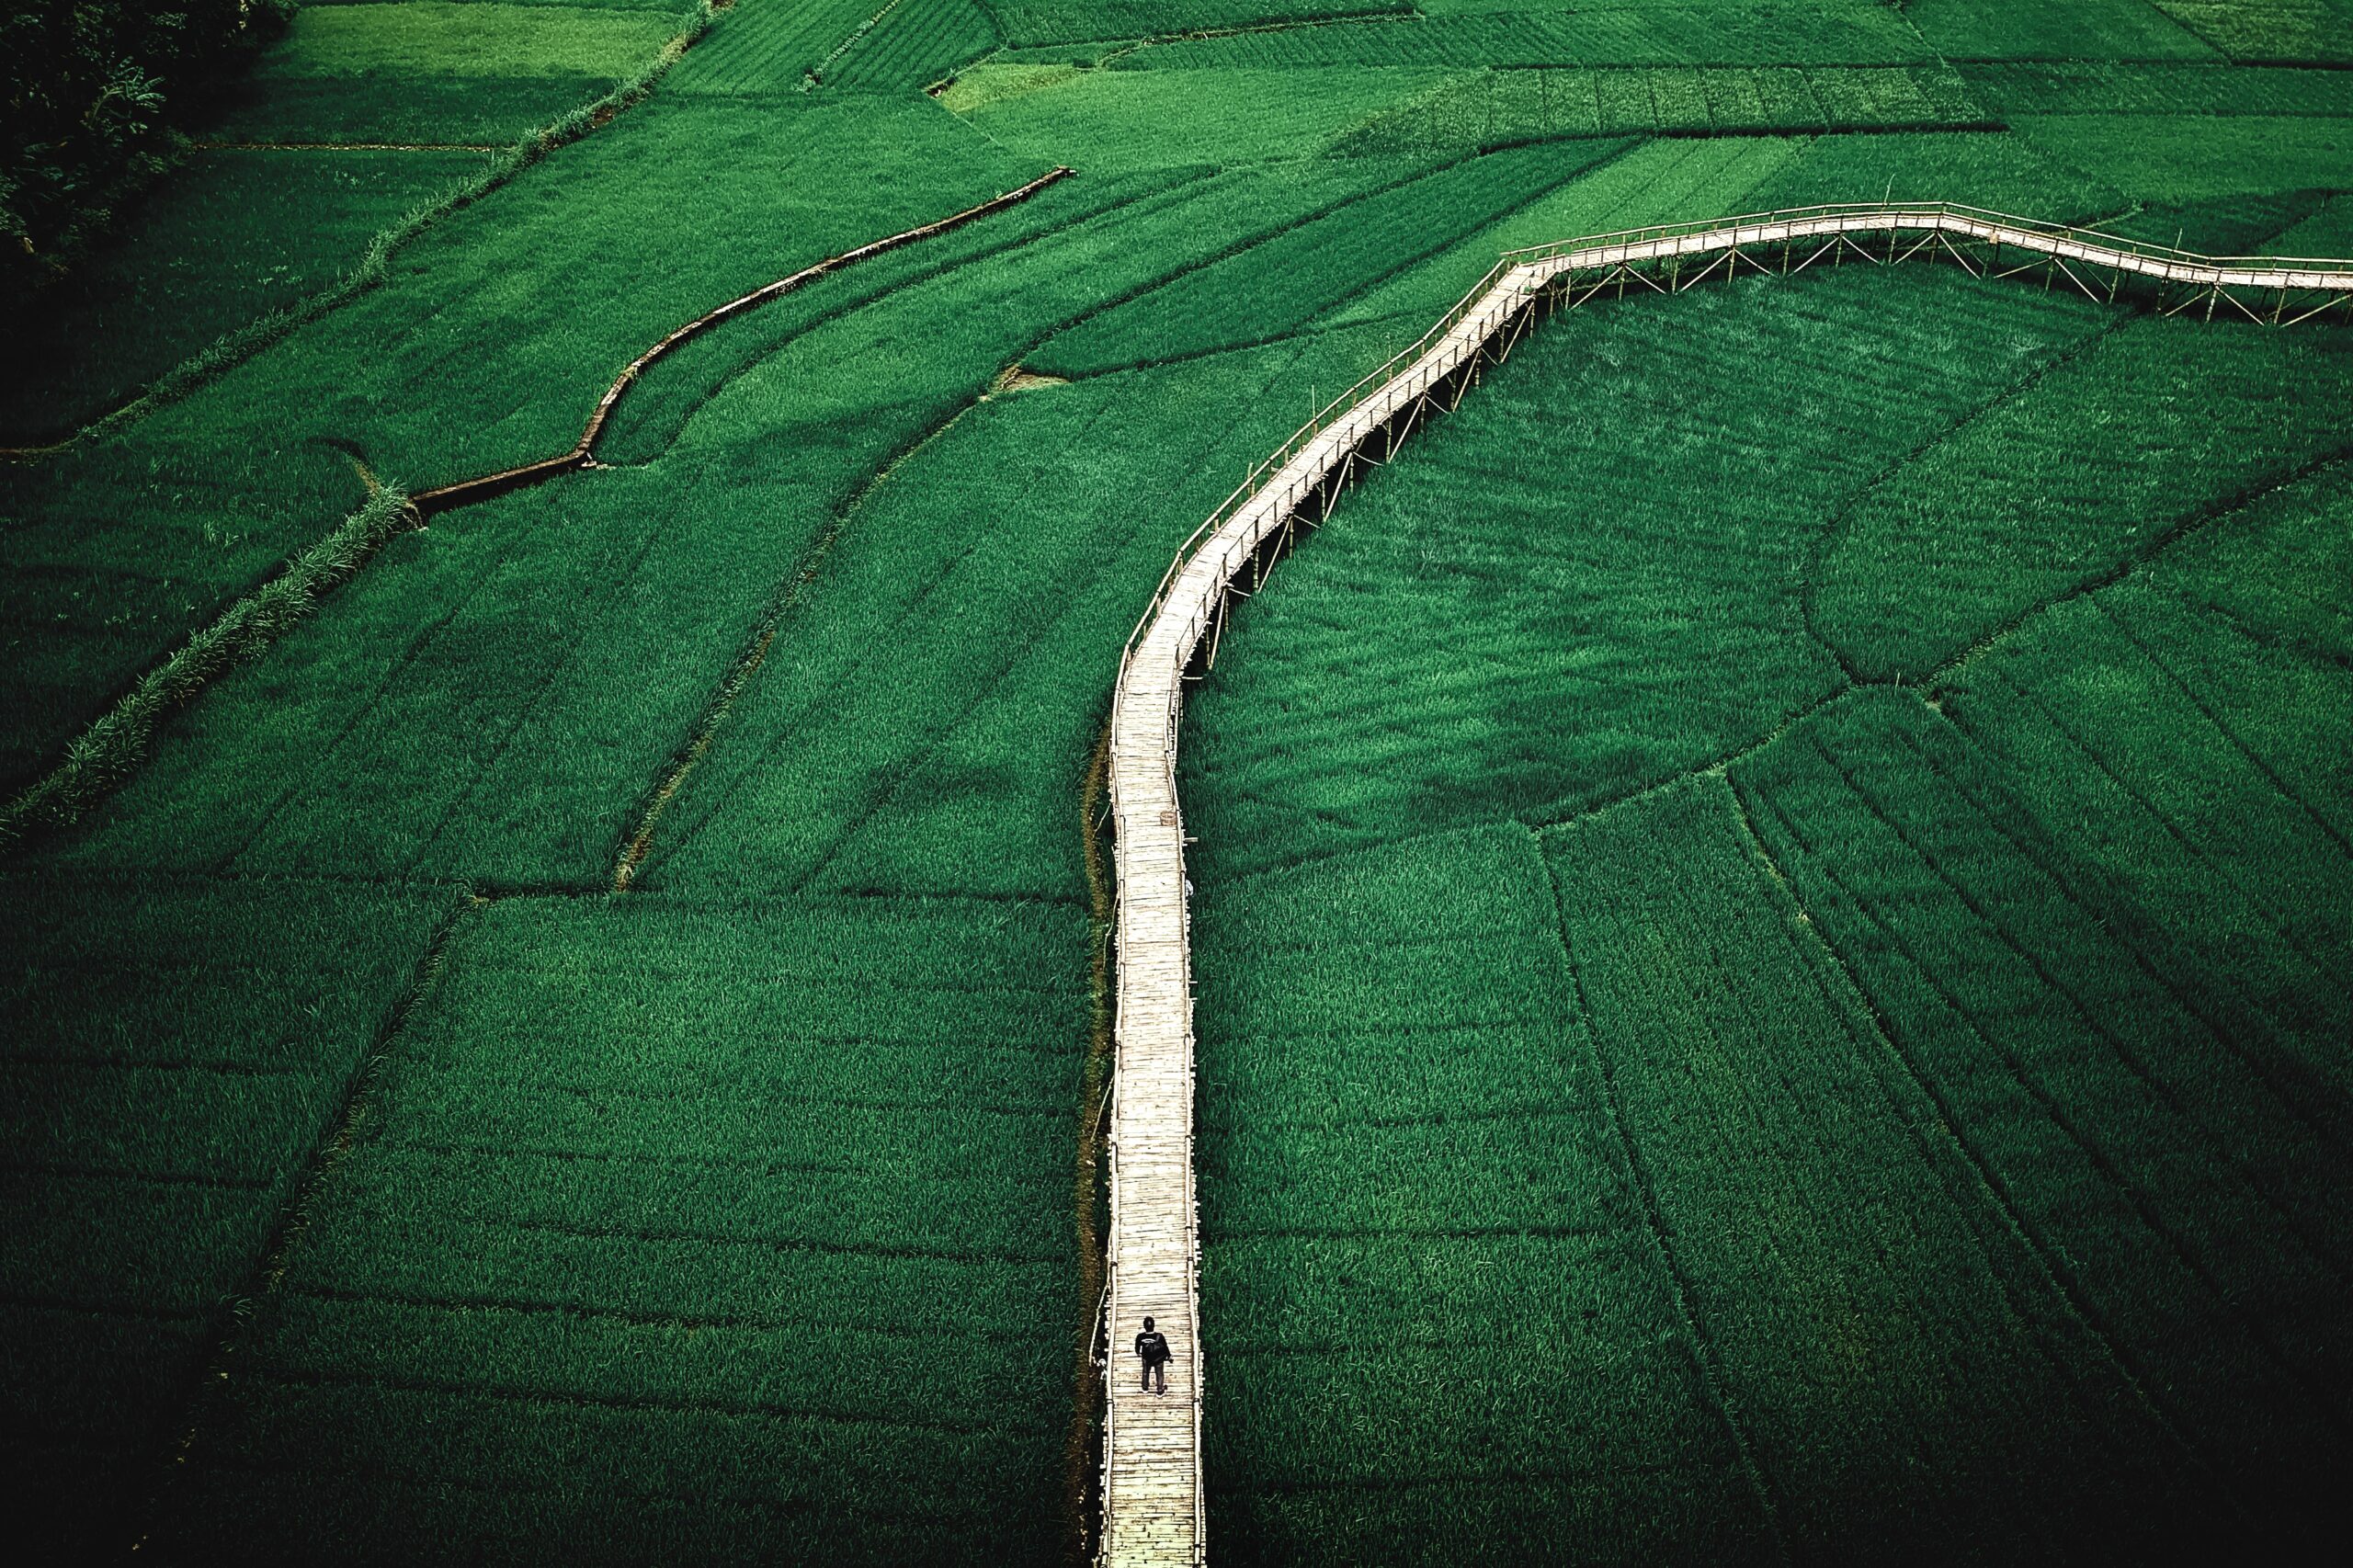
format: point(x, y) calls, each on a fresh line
point(1153, 1510)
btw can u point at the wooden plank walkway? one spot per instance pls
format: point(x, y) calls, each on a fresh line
point(1154, 1508)
point(2084, 247)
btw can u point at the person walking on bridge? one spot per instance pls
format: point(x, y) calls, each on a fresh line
point(1152, 1349)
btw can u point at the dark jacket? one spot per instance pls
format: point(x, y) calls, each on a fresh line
point(1153, 1348)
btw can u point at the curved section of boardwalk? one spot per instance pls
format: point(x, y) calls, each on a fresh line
point(1154, 1509)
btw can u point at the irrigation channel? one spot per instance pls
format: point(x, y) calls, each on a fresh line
point(466, 492)
point(1153, 1506)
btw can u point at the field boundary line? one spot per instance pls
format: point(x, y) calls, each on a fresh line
point(240, 344)
point(108, 748)
point(2207, 711)
point(816, 75)
point(331, 1144)
point(481, 487)
point(1935, 1100)
point(2065, 1275)
point(1154, 1502)
point(1707, 1356)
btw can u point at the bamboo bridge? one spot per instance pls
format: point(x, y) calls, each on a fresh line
point(1153, 1506)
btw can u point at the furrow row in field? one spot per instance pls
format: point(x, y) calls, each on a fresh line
point(1600, 1171)
point(1742, 1023)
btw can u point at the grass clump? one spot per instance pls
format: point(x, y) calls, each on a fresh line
point(105, 751)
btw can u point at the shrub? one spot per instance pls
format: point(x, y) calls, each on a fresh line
point(95, 92)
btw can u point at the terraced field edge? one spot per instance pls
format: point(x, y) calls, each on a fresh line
point(375, 263)
point(105, 753)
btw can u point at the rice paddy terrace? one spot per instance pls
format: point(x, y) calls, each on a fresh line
point(1151, 1497)
point(1767, 894)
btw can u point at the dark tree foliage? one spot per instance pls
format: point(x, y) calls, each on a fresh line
point(92, 96)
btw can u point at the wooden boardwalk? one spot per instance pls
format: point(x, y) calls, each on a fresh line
point(1154, 1508)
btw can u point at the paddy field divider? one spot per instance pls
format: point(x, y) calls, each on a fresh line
point(465, 491)
point(110, 747)
point(1154, 1507)
point(374, 266)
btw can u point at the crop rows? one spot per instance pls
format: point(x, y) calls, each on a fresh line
point(1847, 1299)
point(233, 237)
point(1274, 286)
point(1192, 119)
point(2234, 859)
point(1047, 22)
point(419, 71)
point(173, 1060)
point(2054, 29)
point(745, 1214)
point(1506, 105)
point(1967, 1055)
point(1644, 653)
point(2185, 89)
point(126, 545)
point(763, 54)
point(541, 775)
point(167, 522)
point(1629, 188)
point(1403, 1124)
point(530, 1237)
point(918, 43)
point(1844, 34)
point(680, 1176)
point(2267, 31)
point(2019, 509)
point(2164, 1145)
point(847, 777)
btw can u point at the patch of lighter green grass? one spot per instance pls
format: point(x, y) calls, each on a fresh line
point(1657, 182)
point(1113, 121)
point(2159, 157)
point(983, 86)
point(477, 39)
point(2328, 231)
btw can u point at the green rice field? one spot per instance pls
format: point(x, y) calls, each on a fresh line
point(1772, 895)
